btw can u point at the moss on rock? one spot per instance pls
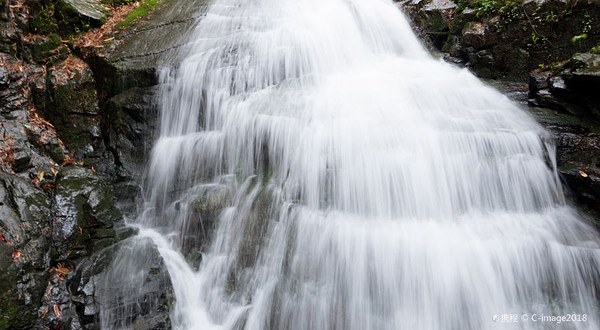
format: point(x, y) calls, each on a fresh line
point(143, 10)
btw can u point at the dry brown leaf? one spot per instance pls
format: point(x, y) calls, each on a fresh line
point(4, 240)
point(45, 312)
point(62, 270)
point(16, 255)
point(56, 311)
point(583, 174)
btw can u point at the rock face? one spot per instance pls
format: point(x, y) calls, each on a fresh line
point(25, 251)
point(77, 123)
point(570, 89)
point(133, 57)
point(506, 39)
point(570, 86)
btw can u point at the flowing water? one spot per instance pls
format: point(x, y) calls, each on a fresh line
point(353, 182)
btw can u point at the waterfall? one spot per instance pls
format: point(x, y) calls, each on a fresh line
point(350, 181)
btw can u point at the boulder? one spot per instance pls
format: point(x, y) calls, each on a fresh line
point(479, 35)
point(80, 14)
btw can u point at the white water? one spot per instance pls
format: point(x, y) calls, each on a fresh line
point(366, 185)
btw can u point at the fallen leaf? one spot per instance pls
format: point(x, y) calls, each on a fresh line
point(16, 255)
point(56, 311)
point(40, 176)
point(4, 240)
point(62, 270)
point(45, 312)
point(583, 174)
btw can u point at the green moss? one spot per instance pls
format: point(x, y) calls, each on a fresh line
point(42, 49)
point(12, 313)
point(143, 10)
point(43, 22)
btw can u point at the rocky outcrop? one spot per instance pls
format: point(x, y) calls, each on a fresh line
point(569, 89)
point(506, 39)
point(570, 86)
point(131, 58)
point(74, 140)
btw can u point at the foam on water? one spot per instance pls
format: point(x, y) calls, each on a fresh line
point(364, 184)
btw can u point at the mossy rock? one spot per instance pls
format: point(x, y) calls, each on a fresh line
point(49, 50)
point(142, 10)
point(43, 21)
point(79, 15)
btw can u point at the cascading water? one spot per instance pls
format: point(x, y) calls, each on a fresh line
point(361, 183)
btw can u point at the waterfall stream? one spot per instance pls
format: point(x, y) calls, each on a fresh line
point(350, 181)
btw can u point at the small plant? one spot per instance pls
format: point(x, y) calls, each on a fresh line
point(551, 17)
point(579, 38)
point(534, 38)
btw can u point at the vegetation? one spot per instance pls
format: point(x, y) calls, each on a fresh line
point(43, 22)
point(142, 11)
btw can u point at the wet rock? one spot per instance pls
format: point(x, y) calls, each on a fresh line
point(436, 17)
point(49, 50)
point(569, 86)
point(130, 282)
point(479, 35)
point(133, 57)
point(25, 251)
point(3, 79)
point(85, 212)
point(132, 119)
point(21, 161)
point(584, 70)
point(72, 107)
point(538, 80)
point(58, 310)
point(207, 204)
point(578, 154)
